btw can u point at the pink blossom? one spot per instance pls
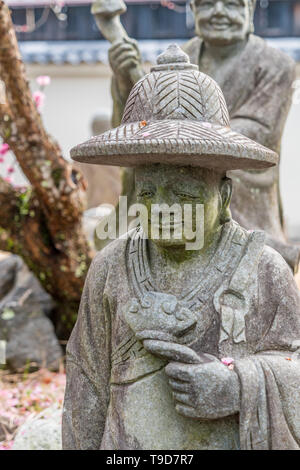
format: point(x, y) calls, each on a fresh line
point(8, 179)
point(10, 169)
point(5, 393)
point(227, 361)
point(39, 98)
point(4, 149)
point(43, 80)
point(12, 402)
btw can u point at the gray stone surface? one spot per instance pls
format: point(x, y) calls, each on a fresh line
point(256, 80)
point(144, 361)
point(41, 432)
point(24, 325)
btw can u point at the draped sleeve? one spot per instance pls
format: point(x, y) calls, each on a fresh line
point(270, 378)
point(88, 365)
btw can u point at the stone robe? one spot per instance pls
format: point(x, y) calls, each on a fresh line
point(247, 306)
point(257, 85)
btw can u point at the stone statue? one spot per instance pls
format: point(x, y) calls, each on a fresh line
point(257, 84)
point(177, 348)
point(103, 183)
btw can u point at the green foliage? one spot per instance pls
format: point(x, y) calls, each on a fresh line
point(57, 176)
point(24, 202)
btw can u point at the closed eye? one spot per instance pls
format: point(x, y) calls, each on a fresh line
point(146, 194)
point(186, 196)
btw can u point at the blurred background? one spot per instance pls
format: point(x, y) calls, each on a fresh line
point(61, 39)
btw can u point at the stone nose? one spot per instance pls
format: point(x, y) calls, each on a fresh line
point(219, 8)
point(164, 195)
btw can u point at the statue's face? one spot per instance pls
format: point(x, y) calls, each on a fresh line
point(223, 22)
point(171, 185)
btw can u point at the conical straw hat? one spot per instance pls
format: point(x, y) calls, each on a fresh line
point(175, 115)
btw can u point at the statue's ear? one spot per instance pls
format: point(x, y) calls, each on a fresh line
point(226, 193)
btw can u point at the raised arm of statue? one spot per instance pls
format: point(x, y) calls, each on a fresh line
point(126, 64)
point(88, 366)
point(124, 55)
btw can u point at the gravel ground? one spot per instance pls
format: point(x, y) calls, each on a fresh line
point(24, 396)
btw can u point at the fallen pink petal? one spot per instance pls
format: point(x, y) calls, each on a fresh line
point(227, 361)
point(23, 396)
point(4, 149)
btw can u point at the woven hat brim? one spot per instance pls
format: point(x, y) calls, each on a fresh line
point(175, 142)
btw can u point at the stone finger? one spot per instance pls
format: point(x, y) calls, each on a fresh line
point(153, 334)
point(186, 411)
point(134, 43)
point(182, 398)
point(178, 371)
point(121, 49)
point(115, 46)
point(179, 386)
point(128, 64)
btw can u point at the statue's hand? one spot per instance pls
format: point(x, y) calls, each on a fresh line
point(171, 351)
point(125, 61)
point(204, 391)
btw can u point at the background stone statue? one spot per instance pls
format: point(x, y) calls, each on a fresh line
point(146, 365)
point(103, 184)
point(256, 81)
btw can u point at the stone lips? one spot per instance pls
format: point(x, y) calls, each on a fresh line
point(175, 115)
point(175, 142)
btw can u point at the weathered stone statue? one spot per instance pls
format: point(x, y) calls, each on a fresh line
point(256, 81)
point(146, 365)
point(108, 191)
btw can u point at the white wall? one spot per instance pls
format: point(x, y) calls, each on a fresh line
point(290, 170)
point(75, 94)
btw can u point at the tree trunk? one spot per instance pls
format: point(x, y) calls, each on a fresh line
point(44, 224)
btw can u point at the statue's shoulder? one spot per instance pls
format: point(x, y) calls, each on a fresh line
point(192, 49)
point(110, 255)
point(270, 57)
point(274, 264)
point(257, 258)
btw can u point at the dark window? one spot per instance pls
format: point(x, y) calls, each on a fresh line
point(273, 18)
